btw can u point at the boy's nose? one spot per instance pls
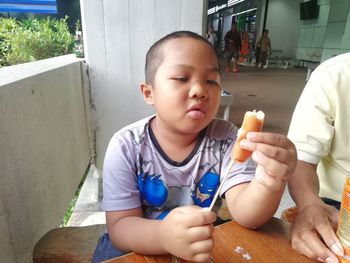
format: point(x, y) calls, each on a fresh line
point(198, 90)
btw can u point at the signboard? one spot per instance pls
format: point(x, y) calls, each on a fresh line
point(28, 6)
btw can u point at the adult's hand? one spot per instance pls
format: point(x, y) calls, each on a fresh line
point(313, 233)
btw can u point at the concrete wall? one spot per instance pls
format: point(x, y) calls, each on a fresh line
point(337, 36)
point(44, 149)
point(117, 35)
point(315, 39)
point(283, 24)
point(328, 35)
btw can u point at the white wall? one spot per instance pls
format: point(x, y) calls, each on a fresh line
point(117, 35)
point(44, 149)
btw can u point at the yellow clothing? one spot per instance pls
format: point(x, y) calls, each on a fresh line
point(320, 126)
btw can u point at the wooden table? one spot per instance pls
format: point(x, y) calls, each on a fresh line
point(234, 243)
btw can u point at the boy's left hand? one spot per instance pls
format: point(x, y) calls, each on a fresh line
point(276, 157)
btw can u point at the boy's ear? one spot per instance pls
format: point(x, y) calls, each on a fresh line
point(147, 92)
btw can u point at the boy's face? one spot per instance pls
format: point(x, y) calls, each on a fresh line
point(186, 90)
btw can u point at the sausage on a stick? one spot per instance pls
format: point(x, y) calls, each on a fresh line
point(252, 122)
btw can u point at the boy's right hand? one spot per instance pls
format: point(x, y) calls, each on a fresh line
point(187, 232)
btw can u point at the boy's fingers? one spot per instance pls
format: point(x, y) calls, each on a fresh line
point(269, 151)
point(196, 216)
point(271, 139)
point(200, 232)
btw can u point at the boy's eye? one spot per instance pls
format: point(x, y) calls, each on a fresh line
point(213, 82)
point(182, 79)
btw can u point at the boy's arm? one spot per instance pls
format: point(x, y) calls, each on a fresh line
point(276, 158)
point(253, 204)
point(185, 232)
point(129, 231)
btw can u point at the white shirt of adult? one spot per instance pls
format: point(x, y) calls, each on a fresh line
point(320, 126)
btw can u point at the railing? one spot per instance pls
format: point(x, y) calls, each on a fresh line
point(45, 148)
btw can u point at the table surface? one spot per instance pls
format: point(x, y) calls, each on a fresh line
point(233, 243)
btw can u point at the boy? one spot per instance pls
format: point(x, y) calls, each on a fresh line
point(168, 166)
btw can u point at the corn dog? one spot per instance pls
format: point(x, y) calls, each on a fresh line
point(253, 121)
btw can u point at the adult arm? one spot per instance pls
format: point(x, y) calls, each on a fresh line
point(315, 221)
point(226, 38)
point(239, 42)
point(258, 43)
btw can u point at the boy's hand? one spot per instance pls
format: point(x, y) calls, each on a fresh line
point(186, 232)
point(276, 157)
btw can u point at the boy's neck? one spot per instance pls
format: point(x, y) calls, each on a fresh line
point(176, 146)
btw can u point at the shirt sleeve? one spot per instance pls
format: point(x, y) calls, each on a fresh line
point(240, 172)
point(120, 190)
point(311, 128)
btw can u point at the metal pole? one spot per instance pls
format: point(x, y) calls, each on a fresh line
point(265, 14)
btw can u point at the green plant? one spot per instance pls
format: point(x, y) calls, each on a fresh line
point(72, 203)
point(77, 25)
point(8, 27)
point(33, 39)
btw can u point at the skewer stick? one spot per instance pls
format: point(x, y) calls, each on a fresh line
point(221, 185)
point(253, 121)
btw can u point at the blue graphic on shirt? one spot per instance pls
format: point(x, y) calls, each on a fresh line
point(154, 193)
point(152, 189)
point(163, 214)
point(205, 189)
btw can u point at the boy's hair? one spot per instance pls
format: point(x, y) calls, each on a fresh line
point(154, 56)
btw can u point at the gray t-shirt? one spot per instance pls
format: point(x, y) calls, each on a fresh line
point(137, 173)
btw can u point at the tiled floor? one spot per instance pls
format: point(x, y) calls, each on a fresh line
point(274, 91)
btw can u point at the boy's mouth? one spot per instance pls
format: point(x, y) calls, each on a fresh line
point(197, 108)
point(196, 112)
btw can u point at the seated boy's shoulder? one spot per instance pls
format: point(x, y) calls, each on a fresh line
point(134, 128)
point(221, 127)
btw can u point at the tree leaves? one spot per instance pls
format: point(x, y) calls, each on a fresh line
point(33, 39)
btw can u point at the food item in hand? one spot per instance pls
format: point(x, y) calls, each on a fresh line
point(344, 222)
point(252, 122)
